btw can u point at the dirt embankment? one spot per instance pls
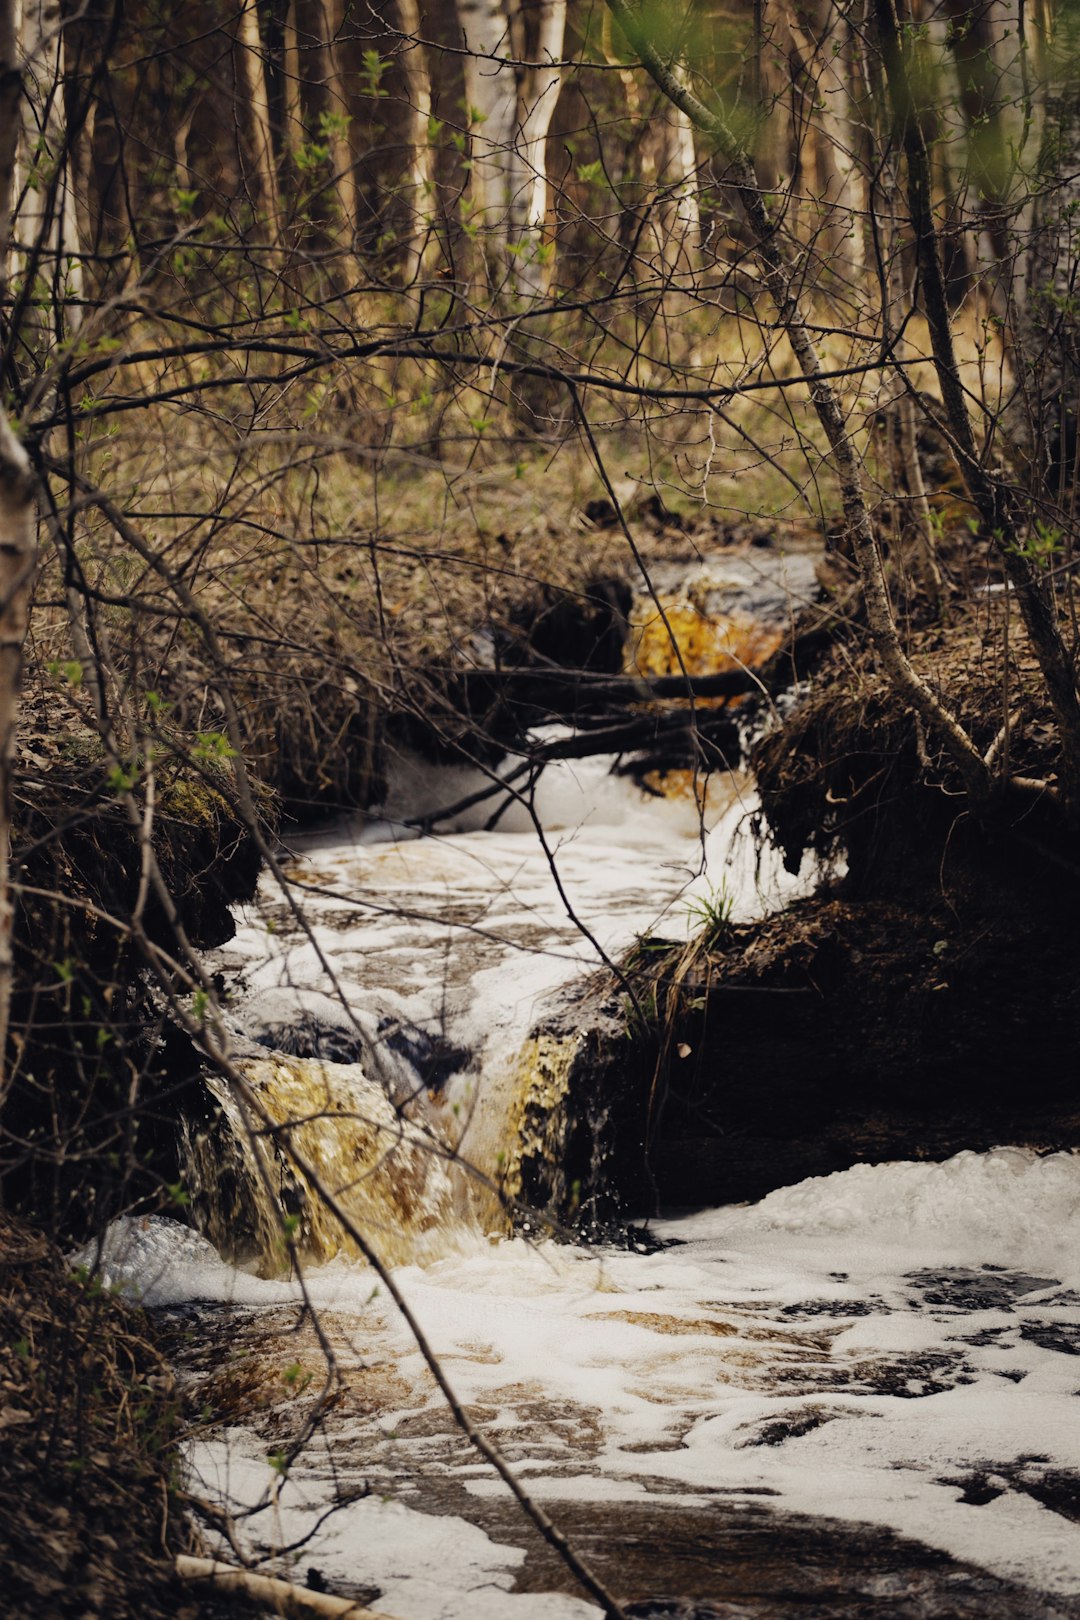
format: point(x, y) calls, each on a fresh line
point(91, 1514)
point(925, 1001)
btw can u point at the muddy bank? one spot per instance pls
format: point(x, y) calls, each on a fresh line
point(843, 1030)
point(98, 1068)
point(848, 1032)
point(924, 1002)
point(91, 1513)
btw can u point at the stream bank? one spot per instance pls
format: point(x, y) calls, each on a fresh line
point(91, 1425)
point(843, 1032)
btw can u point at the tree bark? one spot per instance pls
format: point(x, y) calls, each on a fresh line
point(973, 40)
point(251, 83)
point(339, 122)
point(539, 100)
point(1048, 328)
point(421, 245)
point(292, 136)
point(282, 1597)
point(837, 208)
point(17, 528)
point(491, 115)
point(48, 220)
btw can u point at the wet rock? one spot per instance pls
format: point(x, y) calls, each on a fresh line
point(312, 1037)
point(1061, 1336)
point(682, 1609)
point(748, 1560)
point(988, 1289)
point(433, 1058)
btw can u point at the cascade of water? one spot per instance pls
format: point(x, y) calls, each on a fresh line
point(410, 999)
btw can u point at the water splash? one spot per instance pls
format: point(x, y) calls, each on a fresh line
point(395, 1179)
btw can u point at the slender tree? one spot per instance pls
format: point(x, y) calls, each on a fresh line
point(18, 536)
point(491, 115)
point(47, 216)
point(336, 118)
point(421, 245)
point(540, 95)
point(255, 120)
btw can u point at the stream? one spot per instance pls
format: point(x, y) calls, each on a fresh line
point(858, 1396)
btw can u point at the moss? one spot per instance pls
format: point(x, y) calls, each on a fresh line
point(194, 801)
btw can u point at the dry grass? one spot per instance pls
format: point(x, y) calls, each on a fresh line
point(89, 1420)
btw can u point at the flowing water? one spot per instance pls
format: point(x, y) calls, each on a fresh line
point(859, 1396)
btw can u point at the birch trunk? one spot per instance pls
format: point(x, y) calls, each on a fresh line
point(17, 527)
point(251, 83)
point(676, 221)
point(541, 95)
point(48, 220)
point(823, 40)
point(492, 96)
point(421, 245)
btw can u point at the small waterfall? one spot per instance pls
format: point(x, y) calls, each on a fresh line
point(714, 618)
point(394, 1178)
point(536, 1125)
point(435, 961)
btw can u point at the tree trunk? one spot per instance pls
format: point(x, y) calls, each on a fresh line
point(1048, 327)
point(337, 122)
point(292, 135)
point(82, 172)
point(17, 526)
point(822, 38)
point(421, 245)
point(541, 95)
point(251, 85)
point(491, 115)
point(973, 39)
point(48, 222)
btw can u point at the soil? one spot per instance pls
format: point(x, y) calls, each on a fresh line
point(853, 1031)
point(90, 1516)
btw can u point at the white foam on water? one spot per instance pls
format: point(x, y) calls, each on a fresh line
point(461, 935)
point(864, 1345)
point(426, 1567)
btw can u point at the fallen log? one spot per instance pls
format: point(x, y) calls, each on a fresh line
point(648, 732)
point(293, 1602)
point(557, 692)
